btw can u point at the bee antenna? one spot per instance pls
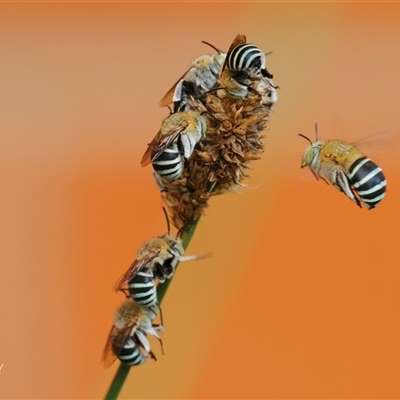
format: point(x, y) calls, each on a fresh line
point(212, 46)
point(210, 115)
point(316, 130)
point(170, 110)
point(166, 217)
point(215, 89)
point(267, 54)
point(305, 137)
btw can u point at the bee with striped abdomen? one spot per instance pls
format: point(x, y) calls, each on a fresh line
point(177, 137)
point(244, 64)
point(157, 258)
point(127, 339)
point(201, 77)
point(346, 168)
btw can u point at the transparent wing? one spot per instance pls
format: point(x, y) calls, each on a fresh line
point(108, 356)
point(169, 96)
point(159, 144)
point(381, 142)
point(239, 39)
point(136, 266)
point(114, 345)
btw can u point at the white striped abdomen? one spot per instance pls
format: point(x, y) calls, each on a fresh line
point(131, 353)
point(169, 164)
point(142, 288)
point(245, 56)
point(368, 181)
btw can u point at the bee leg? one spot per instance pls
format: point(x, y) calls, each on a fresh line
point(326, 181)
point(186, 164)
point(161, 315)
point(185, 228)
point(162, 346)
point(343, 184)
point(266, 74)
point(125, 292)
point(252, 90)
point(151, 354)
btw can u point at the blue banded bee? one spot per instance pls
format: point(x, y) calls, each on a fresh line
point(169, 163)
point(177, 137)
point(127, 339)
point(347, 169)
point(201, 77)
point(244, 64)
point(157, 258)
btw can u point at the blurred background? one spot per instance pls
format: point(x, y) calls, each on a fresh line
point(301, 298)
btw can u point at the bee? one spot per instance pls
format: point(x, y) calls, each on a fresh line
point(201, 77)
point(177, 138)
point(156, 259)
point(244, 64)
point(127, 339)
point(347, 169)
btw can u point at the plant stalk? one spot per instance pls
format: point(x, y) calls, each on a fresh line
point(123, 370)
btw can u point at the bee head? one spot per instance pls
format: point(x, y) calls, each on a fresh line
point(311, 152)
point(220, 59)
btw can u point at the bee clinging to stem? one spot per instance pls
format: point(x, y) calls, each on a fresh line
point(344, 166)
point(156, 259)
point(127, 339)
point(201, 77)
point(177, 138)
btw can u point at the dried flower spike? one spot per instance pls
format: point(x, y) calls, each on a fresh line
point(235, 125)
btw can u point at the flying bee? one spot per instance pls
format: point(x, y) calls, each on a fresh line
point(244, 64)
point(177, 137)
point(201, 77)
point(127, 339)
point(347, 169)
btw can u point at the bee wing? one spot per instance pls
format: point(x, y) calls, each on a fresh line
point(169, 96)
point(108, 356)
point(119, 339)
point(159, 144)
point(136, 266)
point(239, 39)
point(148, 154)
point(380, 142)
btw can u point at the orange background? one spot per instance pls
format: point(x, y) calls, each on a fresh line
point(301, 298)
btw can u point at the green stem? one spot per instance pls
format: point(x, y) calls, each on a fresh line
point(118, 382)
point(123, 370)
